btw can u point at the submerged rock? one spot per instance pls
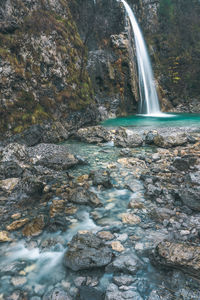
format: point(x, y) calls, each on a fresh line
point(161, 294)
point(90, 293)
point(113, 293)
point(57, 294)
point(87, 251)
point(178, 255)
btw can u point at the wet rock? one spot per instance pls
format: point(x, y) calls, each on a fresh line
point(4, 236)
point(129, 218)
point(35, 227)
point(17, 224)
point(93, 134)
point(29, 187)
point(87, 251)
point(113, 293)
point(52, 156)
point(117, 246)
point(90, 293)
point(125, 263)
point(161, 214)
point(57, 207)
point(57, 294)
point(15, 152)
point(16, 295)
point(193, 178)
point(57, 223)
point(179, 256)
point(9, 184)
point(10, 169)
point(149, 138)
point(127, 138)
point(190, 197)
point(123, 280)
point(80, 281)
point(160, 294)
point(105, 235)
point(181, 164)
point(81, 195)
point(101, 177)
point(18, 281)
point(167, 141)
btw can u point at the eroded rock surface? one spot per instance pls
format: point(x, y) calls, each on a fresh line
point(87, 251)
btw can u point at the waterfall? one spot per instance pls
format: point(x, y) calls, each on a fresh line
point(149, 103)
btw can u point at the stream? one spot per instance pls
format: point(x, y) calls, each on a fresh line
point(34, 266)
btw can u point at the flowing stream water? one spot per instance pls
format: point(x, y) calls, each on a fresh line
point(149, 103)
point(35, 265)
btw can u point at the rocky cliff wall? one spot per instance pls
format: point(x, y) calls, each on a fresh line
point(43, 74)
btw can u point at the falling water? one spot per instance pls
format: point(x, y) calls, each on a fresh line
point(149, 103)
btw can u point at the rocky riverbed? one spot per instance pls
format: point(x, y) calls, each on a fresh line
point(111, 214)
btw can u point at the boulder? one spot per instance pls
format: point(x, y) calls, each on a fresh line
point(173, 140)
point(101, 177)
point(125, 263)
point(52, 156)
point(29, 187)
point(93, 134)
point(87, 251)
point(127, 138)
point(180, 256)
point(81, 195)
point(190, 196)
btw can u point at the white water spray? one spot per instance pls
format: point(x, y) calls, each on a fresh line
point(149, 103)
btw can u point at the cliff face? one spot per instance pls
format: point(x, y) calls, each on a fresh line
point(43, 72)
point(74, 62)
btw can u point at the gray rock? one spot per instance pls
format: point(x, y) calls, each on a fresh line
point(123, 280)
point(93, 134)
point(127, 138)
point(56, 294)
point(180, 256)
point(113, 293)
point(160, 294)
point(15, 152)
point(126, 263)
point(90, 293)
point(52, 156)
point(190, 197)
point(87, 251)
point(172, 140)
point(101, 177)
point(81, 195)
point(10, 169)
